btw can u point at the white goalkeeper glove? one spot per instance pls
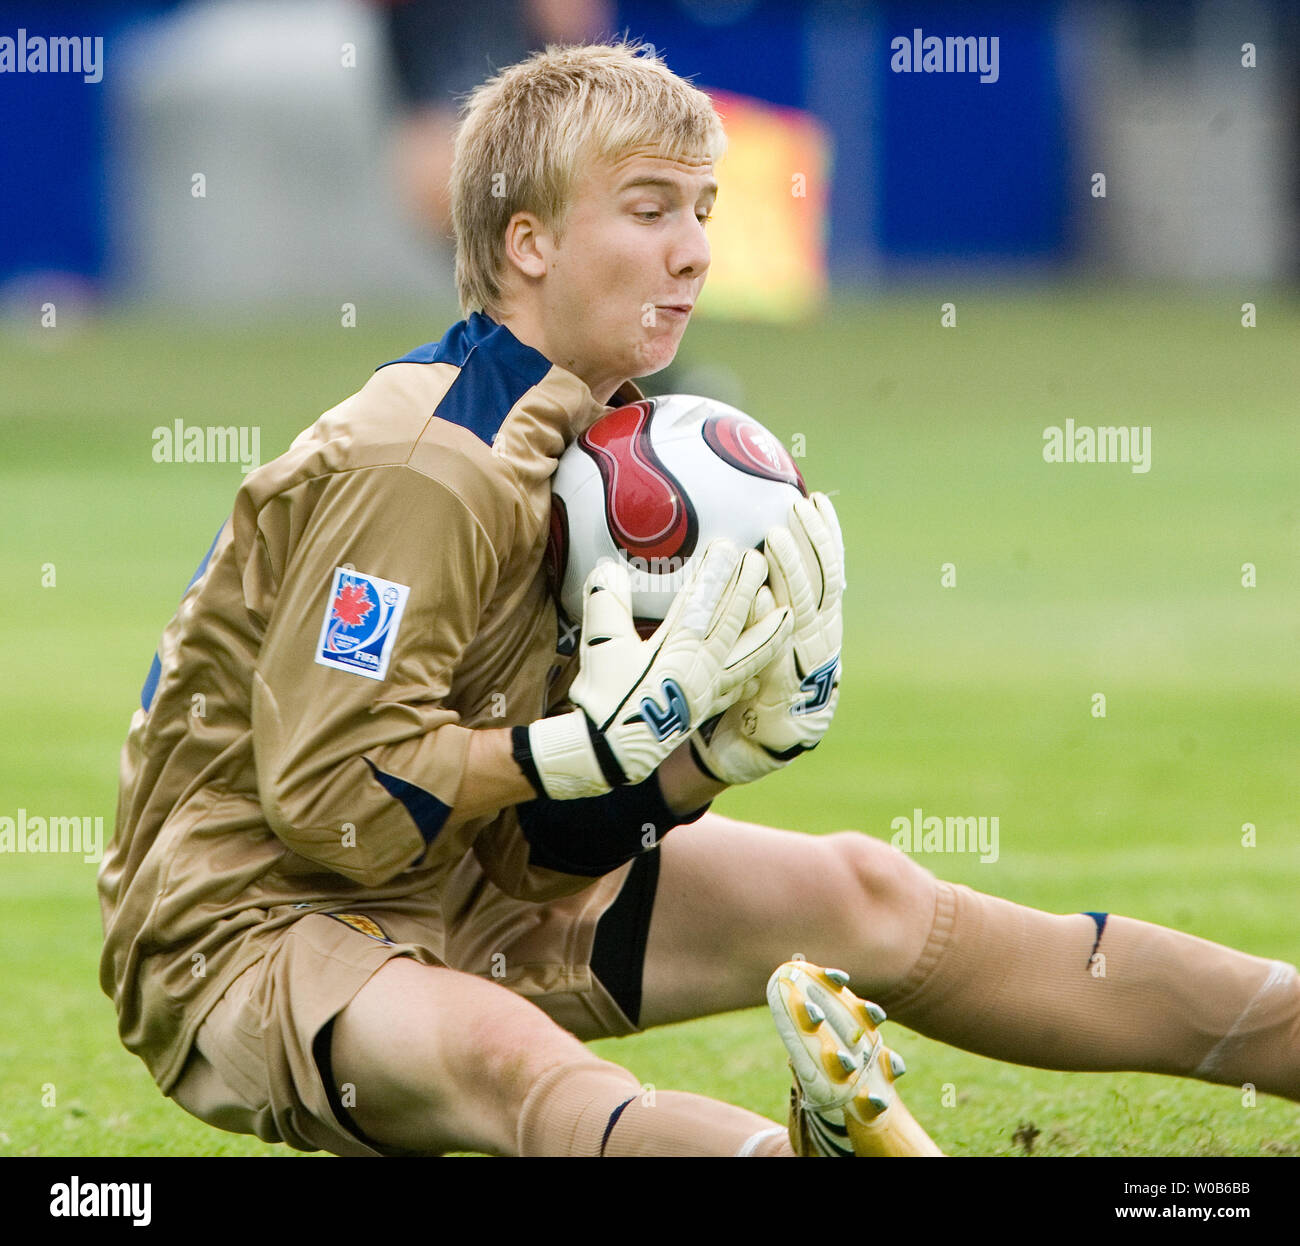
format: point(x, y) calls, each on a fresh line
point(639, 699)
point(798, 692)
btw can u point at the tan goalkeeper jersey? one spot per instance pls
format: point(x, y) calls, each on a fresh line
point(376, 593)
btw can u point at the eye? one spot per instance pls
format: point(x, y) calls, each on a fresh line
point(652, 214)
point(704, 217)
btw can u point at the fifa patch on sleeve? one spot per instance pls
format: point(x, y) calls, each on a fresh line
point(361, 622)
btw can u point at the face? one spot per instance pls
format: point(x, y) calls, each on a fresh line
point(611, 297)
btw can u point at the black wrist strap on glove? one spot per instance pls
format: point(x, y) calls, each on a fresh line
point(605, 758)
point(522, 752)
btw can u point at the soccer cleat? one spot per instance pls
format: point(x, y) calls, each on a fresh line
point(843, 1102)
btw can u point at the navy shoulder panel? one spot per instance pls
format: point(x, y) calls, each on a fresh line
point(496, 370)
point(426, 810)
point(155, 667)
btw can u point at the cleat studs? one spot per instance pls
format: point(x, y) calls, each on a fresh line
point(879, 1102)
point(838, 976)
point(815, 1014)
point(847, 1062)
point(896, 1064)
point(874, 1011)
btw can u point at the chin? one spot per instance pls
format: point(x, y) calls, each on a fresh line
point(655, 359)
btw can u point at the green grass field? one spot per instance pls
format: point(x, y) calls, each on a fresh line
point(1071, 579)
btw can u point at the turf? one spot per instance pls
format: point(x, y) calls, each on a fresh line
point(1071, 580)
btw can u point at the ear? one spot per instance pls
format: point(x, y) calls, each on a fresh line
point(528, 245)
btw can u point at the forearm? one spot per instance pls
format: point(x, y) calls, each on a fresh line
point(492, 779)
point(684, 786)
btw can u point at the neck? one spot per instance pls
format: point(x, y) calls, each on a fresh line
point(530, 330)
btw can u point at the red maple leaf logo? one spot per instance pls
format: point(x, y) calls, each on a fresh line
point(351, 605)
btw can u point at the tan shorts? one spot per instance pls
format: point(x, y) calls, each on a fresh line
point(255, 1068)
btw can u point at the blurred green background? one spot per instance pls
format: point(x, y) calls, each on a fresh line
point(1071, 579)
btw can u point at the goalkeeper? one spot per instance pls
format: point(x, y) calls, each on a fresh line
point(387, 849)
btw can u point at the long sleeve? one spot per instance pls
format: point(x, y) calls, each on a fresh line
point(358, 772)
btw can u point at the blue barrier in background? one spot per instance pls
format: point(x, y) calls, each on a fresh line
point(53, 138)
point(967, 168)
point(926, 166)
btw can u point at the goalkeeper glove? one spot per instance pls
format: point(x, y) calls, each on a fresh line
point(797, 693)
point(637, 700)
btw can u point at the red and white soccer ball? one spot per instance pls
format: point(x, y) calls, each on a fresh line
point(651, 484)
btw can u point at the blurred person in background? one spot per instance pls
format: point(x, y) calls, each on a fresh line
point(442, 52)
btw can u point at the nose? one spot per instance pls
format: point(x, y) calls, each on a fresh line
point(691, 253)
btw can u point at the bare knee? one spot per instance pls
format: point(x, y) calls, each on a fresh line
point(891, 900)
point(440, 1060)
point(889, 880)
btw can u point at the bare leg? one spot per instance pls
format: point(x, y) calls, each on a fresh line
point(442, 1061)
point(736, 899)
point(1001, 979)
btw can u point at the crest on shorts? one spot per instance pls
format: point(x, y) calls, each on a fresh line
point(365, 925)
point(361, 618)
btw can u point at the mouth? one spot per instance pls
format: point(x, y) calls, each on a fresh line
point(680, 309)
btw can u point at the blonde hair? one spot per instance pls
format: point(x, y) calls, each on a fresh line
point(525, 134)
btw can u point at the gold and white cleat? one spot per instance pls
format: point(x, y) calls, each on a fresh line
point(843, 1102)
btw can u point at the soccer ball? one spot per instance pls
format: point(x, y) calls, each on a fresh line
point(651, 484)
